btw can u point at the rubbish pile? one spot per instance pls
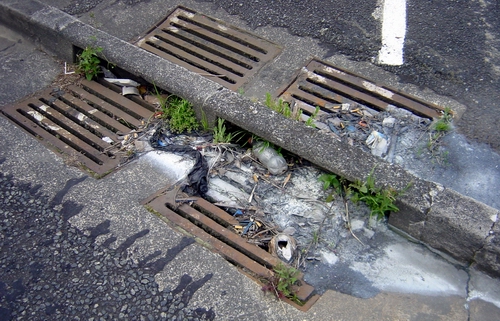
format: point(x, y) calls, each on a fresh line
point(373, 131)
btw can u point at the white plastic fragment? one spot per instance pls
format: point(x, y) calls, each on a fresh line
point(378, 143)
point(130, 91)
point(107, 140)
point(39, 117)
point(123, 82)
point(389, 122)
point(345, 106)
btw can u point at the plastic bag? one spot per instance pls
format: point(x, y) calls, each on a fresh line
point(197, 178)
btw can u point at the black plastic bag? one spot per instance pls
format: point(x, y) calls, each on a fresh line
point(197, 178)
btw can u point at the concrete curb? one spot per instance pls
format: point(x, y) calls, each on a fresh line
point(442, 218)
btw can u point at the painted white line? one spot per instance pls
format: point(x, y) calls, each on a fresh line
point(393, 32)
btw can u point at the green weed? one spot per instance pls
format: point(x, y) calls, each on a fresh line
point(310, 120)
point(180, 115)
point(282, 107)
point(331, 180)
point(220, 134)
point(283, 283)
point(379, 201)
point(88, 62)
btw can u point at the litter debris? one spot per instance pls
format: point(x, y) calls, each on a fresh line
point(123, 82)
point(378, 143)
point(389, 122)
point(284, 247)
point(130, 91)
point(274, 162)
point(197, 178)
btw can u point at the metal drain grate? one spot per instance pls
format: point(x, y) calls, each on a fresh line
point(80, 122)
point(327, 86)
point(213, 226)
point(209, 47)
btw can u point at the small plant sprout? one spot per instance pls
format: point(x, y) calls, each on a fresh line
point(220, 134)
point(283, 283)
point(331, 180)
point(438, 130)
point(310, 120)
point(88, 62)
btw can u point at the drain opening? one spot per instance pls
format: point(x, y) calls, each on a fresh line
point(210, 47)
point(81, 124)
point(324, 85)
point(213, 225)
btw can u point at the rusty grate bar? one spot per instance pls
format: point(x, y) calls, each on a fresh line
point(210, 47)
point(213, 226)
point(327, 86)
point(80, 122)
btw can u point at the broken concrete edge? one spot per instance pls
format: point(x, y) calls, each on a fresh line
point(458, 225)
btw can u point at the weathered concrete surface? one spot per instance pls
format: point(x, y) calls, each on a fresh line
point(488, 257)
point(458, 225)
point(389, 307)
point(55, 29)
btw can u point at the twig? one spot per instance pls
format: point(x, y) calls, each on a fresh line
point(262, 232)
point(251, 194)
point(348, 219)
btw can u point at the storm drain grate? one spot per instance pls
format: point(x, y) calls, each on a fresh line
point(80, 122)
point(210, 47)
point(327, 86)
point(213, 226)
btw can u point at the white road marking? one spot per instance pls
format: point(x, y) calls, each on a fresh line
point(393, 32)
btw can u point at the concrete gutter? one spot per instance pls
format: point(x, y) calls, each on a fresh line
point(443, 219)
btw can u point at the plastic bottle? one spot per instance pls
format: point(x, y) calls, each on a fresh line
point(274, 162)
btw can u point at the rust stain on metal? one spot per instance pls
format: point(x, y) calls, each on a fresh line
point(321, 84)
point(80, 122)
point(210, 47)
point(210, 223)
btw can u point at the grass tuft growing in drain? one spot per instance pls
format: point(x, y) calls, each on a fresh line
point(283, 284)
point(282, 107)
point(379, 200)
point(88, 62)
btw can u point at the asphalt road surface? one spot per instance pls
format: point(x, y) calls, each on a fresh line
point(452, 47)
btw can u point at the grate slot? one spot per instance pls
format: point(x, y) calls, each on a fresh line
point(228, 237)
point(215, 213)
point(92, 112)
point(372, 89)
point(136, 99)
point(63, 135)
point(208, 228)
point(178, 46)
point(322, 84)
point(226, 251)
point(96, 102)
point(80, 118)
point(212, 48)
point(347, 92)
point(117, 100)
point(189, 38)
point(199, 67)
point(75, 122)
point(70, 126)
point(232, 48)
point(238, 39)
